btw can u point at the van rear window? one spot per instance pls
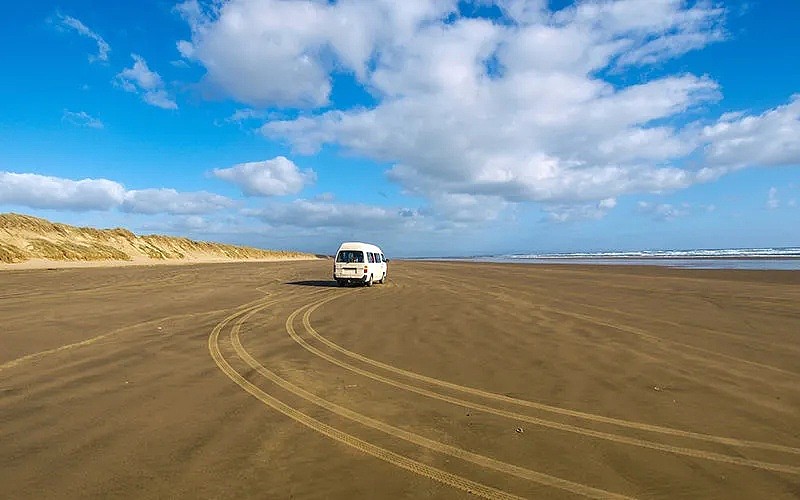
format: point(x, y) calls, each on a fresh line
point(350, 256)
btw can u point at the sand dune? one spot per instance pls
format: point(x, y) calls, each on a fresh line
point(27, 239)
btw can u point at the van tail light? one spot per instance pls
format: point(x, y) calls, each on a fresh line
point(366, 269)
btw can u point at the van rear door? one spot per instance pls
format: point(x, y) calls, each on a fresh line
point(349, 264)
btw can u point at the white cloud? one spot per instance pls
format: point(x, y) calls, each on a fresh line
point(738, 140)
point(276, 177)
point(139, 79)
point(320, 214)
point(543, 128)
point(159, 98)
point(42, 191)
point(465, 208)
point(579, 211)
point(504, 112)
point(679, 32)
point(193, 223)
point(48, 192)
point(81, 119)
point(293, 46)
point(153, 201)
point(102, 47)
point(607, 204)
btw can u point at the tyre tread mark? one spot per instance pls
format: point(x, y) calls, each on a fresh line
point(563, 411)
point(391, 457)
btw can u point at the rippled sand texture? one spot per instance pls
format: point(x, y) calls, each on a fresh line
point(264, 380)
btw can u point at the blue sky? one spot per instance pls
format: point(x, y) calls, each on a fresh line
point(429, 127)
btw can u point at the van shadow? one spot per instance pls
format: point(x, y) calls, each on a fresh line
point(316, 283)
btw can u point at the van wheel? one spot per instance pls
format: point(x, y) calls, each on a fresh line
point(383, 280)
point(369, 281)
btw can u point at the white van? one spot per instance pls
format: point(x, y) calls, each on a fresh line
point(361, 263)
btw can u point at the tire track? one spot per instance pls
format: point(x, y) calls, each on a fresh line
point(718, 457)
point(93, 340)
point(389, 456)
point(38, 355)
point(490, 463)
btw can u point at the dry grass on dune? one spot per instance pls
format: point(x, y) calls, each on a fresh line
point(24, 237)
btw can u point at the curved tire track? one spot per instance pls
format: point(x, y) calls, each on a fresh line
point(487, 462)
point(391, 457)
point(539, 406)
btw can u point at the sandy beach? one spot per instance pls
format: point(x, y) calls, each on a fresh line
point(265, 380)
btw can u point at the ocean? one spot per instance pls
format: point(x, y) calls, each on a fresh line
point(784, 258)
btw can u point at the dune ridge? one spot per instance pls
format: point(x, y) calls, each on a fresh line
point(24, 238)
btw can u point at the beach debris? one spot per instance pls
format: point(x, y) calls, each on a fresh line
point(520, 430)
point(350, 386)
point(657, 388)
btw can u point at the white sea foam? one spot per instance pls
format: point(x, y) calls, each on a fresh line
point(721, 253)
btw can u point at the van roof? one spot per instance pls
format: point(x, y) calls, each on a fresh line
point(357, 245)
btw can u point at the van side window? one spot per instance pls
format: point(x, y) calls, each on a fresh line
point(371, 257)
point(383, 258)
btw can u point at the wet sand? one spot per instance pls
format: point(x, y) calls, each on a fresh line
point(264, 380)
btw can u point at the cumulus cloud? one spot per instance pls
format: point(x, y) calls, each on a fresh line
point(153, 201)
point(276, 177)
point(76, 25)
point(291, 45)
point(48, 192)
point(42, 191)
point(139, 79)
point(540, 127)
point(738, 139)
point(517, 109)
point(81, 119)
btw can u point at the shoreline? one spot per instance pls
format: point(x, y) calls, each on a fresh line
point(763, 263)
point(776, 263)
